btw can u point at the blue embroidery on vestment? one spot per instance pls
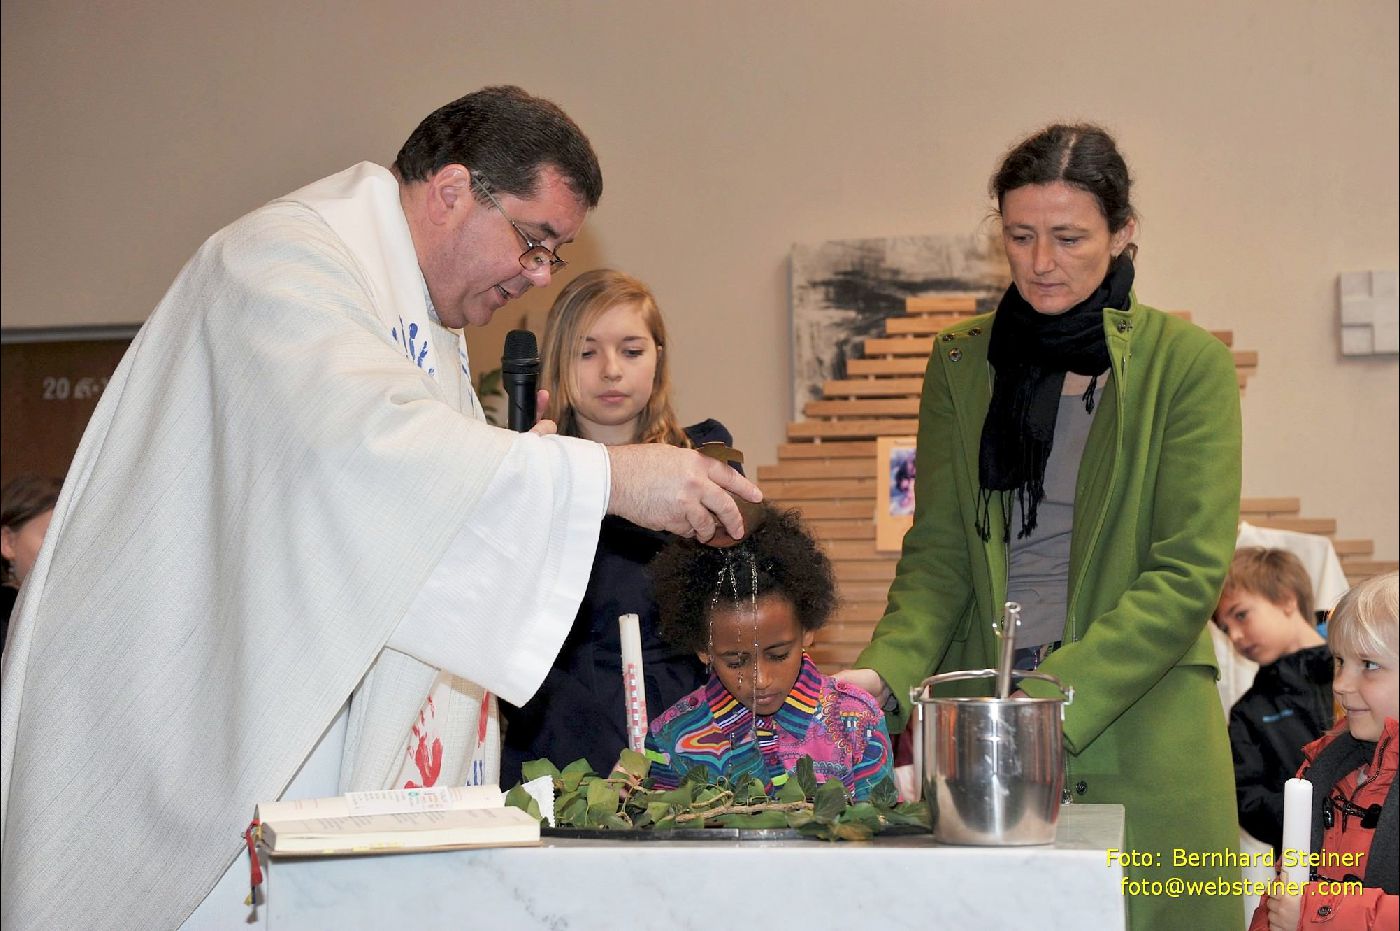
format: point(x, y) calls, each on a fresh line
point(1271, 718)
point(408, 339)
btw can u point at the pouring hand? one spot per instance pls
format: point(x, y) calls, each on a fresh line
point(867, 679)
point(663, 487)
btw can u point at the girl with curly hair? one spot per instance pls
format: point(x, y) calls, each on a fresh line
point(749, 612)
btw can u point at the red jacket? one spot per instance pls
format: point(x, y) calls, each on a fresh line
point(1332, 911)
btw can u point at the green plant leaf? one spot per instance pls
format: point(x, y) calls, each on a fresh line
point(602, 797)
point(862, 813)
point(830, 801)
point(790, 791)
point(519, 798)
point(625, 801)
point(910, 813)
point(757, 820)
point(850, 831)
point(884, 794)
point(575, 773)
point(537, 768)
point(806, 775)
point(796, 819)
point(633, 763)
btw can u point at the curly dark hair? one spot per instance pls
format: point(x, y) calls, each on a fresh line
point(779, 557)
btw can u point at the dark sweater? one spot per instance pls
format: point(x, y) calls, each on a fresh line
point(1288, 706)
point(578, 711)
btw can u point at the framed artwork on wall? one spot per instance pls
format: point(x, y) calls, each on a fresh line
point(843, 290)
point(894, 496)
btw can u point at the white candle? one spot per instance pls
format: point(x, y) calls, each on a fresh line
point(1297, 828)
point(634, 691)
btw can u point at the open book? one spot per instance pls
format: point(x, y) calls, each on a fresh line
point(392, 820)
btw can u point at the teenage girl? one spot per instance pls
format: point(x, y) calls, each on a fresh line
point(605, 367)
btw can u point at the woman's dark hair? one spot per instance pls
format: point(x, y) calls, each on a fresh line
point(507, 136)
point(779, 557)
point(24, 498)
point(1079, 154)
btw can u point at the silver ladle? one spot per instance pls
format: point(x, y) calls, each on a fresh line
point(1006, 631)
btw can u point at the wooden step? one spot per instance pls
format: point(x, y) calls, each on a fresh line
point(828, 532)
point(1282, 507)
point(859, 612)
point(864, 407)
point(1324, 526)
point(1225, 336)
point(852, 429)
point(873, 592)
point(901, 346)
point(872, 388)
point(829, 510)
point(858, 549)
point(891, 366)
point(857, 635)
point(831, 658)
point(863, 467)
point(833, 449)
point(857, 571)
point(1359, 549)
point(965, 304)
point(835, 489)
point(1359, 569)
point(929, 325)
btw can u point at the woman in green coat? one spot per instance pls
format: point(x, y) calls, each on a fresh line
point(1079, 453)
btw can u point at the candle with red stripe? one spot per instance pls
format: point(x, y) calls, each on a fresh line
point(634, 691)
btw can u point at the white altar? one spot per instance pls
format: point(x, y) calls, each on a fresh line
point(907, 881)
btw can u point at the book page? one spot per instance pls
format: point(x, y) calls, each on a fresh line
point(411, 830)
point(384, 801)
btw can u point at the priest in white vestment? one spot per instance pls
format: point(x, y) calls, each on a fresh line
point(289, 542)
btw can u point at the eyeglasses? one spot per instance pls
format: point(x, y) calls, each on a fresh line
point(536, 255)
point(1370, 816)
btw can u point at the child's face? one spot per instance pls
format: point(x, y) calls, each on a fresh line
point(1367, 687)
point(615, 370)
point(1259, 629)
point(759, 678)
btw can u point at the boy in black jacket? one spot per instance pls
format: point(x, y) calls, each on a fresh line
point(1266, 609)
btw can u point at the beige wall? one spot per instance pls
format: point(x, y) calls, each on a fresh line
point(1263, 136)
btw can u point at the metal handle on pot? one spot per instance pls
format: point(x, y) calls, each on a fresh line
point(920, 692)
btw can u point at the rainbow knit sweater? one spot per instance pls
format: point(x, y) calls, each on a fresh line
point(838, 725)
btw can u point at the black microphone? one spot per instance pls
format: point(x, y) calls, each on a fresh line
point(520, 371)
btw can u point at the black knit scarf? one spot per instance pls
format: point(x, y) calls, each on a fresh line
point(1030, 353)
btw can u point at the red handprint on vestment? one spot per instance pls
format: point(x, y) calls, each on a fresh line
point(429, 763)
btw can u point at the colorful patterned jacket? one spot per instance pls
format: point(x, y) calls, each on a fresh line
point(838, 725)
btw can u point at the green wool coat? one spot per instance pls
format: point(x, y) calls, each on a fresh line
point(1156, 511)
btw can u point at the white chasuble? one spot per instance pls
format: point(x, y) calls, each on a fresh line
point(286, 500)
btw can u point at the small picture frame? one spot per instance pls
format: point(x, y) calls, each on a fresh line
point(894, 498)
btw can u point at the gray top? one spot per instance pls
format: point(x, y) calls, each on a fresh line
point(1039, 563)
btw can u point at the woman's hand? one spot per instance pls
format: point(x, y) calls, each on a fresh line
point(867, 679)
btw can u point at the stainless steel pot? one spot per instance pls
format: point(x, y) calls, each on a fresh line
point(993, 768)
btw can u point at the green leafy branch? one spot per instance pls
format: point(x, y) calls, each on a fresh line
point(625, 801)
